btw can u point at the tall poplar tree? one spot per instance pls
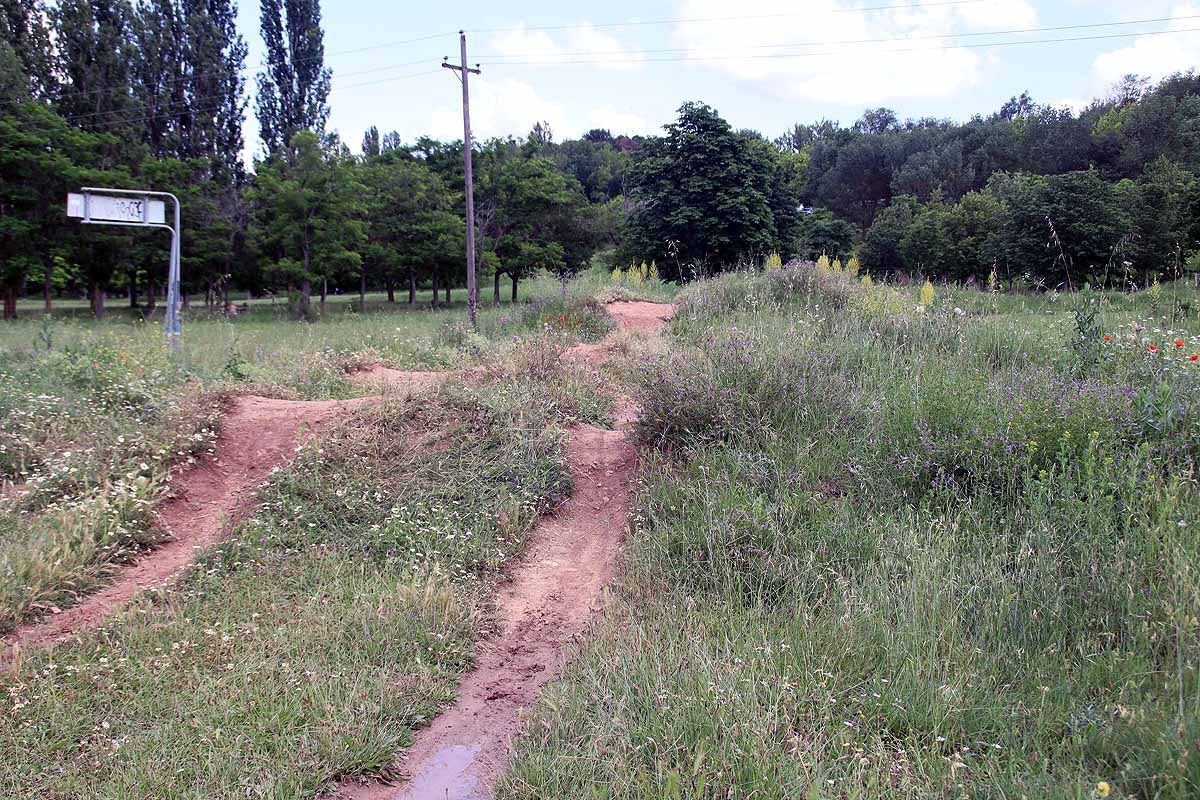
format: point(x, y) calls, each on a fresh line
point(293, 91)
point(23, 26)
point(216, 57)
point(96, 49)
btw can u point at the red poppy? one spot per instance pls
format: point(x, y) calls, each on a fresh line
point(1193, 357)
point(1107, 337)
point(1153, 348)
point(1179, 343)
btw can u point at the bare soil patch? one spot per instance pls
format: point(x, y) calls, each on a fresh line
point(550, 596)
point(547, 601)
point(257, 435)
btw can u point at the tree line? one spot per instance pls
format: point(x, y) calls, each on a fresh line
point(1040, 194)
point(154, 95)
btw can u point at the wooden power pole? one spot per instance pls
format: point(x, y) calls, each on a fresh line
point(464, 73)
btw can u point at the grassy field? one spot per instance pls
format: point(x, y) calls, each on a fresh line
point(884, 546)
point(94, 415)
point(336, 620)
point(883, 551)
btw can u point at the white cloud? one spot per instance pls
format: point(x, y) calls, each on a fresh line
point(499, 107)
point(1076, 104)
point(581, 42)
point(508, 106)
point(822, 55)
point(1154, 56)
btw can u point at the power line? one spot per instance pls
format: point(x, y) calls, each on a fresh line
point(501, 58)
point(177, 103)
point(263, 64)
point(737, 17)
point(108, 125)
point(630, 23)
point(842, 53)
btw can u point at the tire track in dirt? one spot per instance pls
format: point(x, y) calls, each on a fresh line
point(547, 602)
point(257, 435)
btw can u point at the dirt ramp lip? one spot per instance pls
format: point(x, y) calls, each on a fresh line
point(389, 377)
point(257, 435)
point(640, 315)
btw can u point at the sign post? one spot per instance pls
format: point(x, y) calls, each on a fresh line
point(135, 209)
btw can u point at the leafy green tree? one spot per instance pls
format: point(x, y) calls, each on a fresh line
point(699, 203)
point(821, 232)
point(294, 89)
point(96, 49)
point(881, 251)
point(971, 227)
point(412, 230)
point(925, 245)
point(214, 56)
point(523, 206)
point(1063, 229)
point(1163, 207)
point(307, 209)
point(23, 27)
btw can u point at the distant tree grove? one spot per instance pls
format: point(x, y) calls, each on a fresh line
point(154, 95)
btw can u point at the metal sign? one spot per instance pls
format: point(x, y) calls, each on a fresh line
point(135, 209)
point(116, 208)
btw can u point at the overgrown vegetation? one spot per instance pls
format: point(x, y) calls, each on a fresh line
point(888, 547)
point(329, 626)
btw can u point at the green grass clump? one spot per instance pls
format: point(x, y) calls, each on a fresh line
point(885, 551)
point(308, 646)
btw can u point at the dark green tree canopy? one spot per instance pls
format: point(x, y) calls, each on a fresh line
point(294, 89)
point(702, 197)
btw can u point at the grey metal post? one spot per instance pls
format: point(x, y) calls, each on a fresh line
point(173, 327)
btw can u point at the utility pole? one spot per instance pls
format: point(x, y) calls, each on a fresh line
point(464, 73)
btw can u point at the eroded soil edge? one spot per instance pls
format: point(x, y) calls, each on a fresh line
point(548, 601)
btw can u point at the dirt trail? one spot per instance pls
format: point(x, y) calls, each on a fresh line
point(547, 602)
point(387, 378)
point(257, 435)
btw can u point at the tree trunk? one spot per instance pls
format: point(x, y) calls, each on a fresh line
point(514, 293)
point(133, 289)
point(151, 294)
point(97, 300)
point(496, 290)
point(412, 287)
point(48, 287)
point(10, 302)
point(391, 290)
point(436, 289)
point(305, 298)
point(185, 299)
point(324, 293)
point(362, 290)
point(447, 292)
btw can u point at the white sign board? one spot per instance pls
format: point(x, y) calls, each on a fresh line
point(116, 208)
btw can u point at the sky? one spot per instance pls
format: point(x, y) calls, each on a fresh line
point(763, 64)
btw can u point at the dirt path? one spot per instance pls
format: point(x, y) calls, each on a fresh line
point(257, 435)
point(548, 601)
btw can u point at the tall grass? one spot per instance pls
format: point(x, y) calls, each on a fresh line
point(331, 624)
point(885, 551)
